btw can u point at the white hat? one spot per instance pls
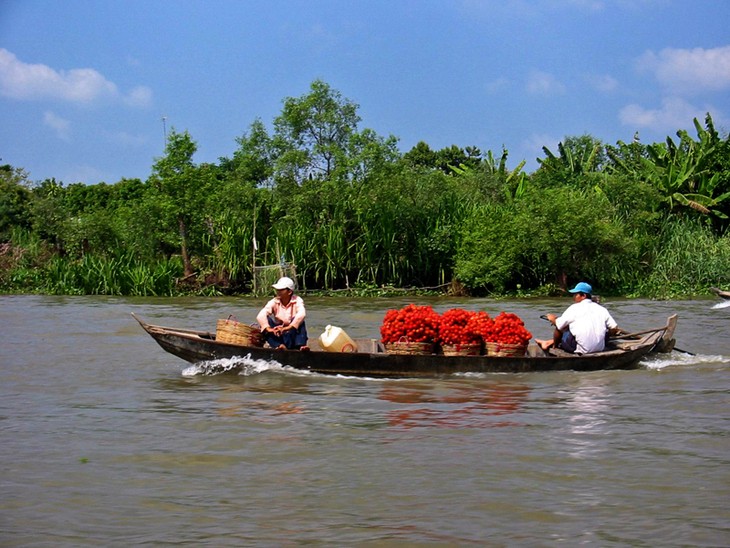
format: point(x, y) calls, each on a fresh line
point(284, 283)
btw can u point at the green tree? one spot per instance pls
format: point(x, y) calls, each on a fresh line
point(182, 190)
point(491, 180)
point(15, 196)
point(577, 156)
point(450, 159)
point(253, 161)
point(548, 236)
point(368, 153)
point(421, 155)
point(454, 156)
point(49, 216)
point(312, 135)
point(322, 163)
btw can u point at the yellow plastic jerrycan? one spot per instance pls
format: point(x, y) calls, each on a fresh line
point(334, 339)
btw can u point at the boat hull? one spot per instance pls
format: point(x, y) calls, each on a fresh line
point(720, 293)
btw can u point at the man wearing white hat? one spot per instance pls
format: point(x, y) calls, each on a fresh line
point(583, 327)
point(282, 319)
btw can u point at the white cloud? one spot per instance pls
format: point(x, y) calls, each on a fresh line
point(543, 83)
point(602, 82)
point(141, 96)
point(127, 140)
point(674, 113)
point(24, 81)
point(20, 80)
point(689, 70)
point(61, 126)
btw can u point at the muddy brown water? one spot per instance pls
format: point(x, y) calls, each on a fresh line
point(106, 440)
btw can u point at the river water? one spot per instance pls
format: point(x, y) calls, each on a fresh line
point(106, 440)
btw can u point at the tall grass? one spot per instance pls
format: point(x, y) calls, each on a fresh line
point(402, 232)
point(121, 275)
point(688, 259)
point(230, 248)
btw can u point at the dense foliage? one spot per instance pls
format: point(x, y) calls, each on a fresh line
point(350, 211)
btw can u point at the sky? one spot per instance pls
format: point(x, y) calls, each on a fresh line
point(90, 88)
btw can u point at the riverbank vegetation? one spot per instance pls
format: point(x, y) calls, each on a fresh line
point(353, 213)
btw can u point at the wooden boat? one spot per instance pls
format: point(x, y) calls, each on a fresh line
point(371, 359)
point(720, 293)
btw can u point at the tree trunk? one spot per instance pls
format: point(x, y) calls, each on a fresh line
point(562, 280)
point(187, 266)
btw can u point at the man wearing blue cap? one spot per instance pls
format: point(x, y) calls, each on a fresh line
point(584, 326)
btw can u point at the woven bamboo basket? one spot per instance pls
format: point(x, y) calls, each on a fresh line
point(233, 332)
point(408, 347)
point(461, 349)
point(502, 349)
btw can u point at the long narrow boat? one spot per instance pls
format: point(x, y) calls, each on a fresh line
point(371, 359)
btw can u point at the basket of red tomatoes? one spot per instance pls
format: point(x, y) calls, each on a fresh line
point(457, 333)
point(506, 336)
point(412, 329)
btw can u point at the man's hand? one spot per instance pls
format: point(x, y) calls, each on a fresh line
point(279, 329)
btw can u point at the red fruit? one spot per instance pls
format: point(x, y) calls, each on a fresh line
point(412, 323)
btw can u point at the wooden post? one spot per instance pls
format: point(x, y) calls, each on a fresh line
point(254, 246)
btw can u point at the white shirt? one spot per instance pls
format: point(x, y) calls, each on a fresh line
point(588, 322)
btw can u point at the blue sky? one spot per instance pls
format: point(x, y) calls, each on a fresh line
point(85, 84)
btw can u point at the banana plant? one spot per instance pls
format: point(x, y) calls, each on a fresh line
point(683, 173)
point(576, 156)
point(514, 181)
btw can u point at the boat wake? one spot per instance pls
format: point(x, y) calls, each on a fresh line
point(681, 358)
point(244, 366)
point(723, 304)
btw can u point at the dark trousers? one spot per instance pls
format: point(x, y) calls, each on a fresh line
point(292, 339)
point(568, 342)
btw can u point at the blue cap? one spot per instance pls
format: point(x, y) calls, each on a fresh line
point(582, 287)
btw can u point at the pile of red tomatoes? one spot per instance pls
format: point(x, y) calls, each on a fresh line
point(507, 328)
point(456, 326)
point(411, 323)
point(459, 326)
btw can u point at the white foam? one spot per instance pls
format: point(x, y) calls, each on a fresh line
point(244, 366)
point(681, 358)
point(723, 304)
